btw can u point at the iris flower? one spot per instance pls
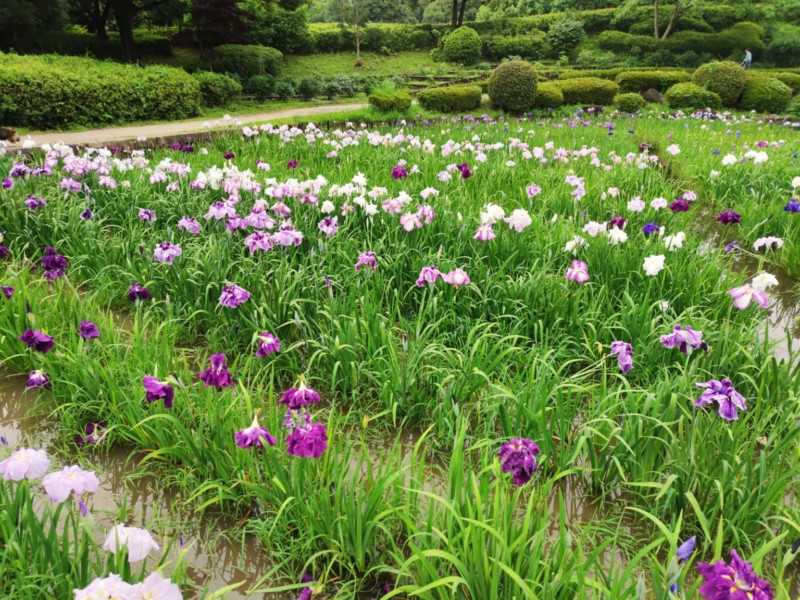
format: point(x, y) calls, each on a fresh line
point(579, 272)
point(734, 581)
point(724, 394)
point(518, 457)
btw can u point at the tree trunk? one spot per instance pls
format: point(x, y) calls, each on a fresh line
point(454, 20)
point(676, 13)
point(461, 13)
point(124, 11)
point(655, 19)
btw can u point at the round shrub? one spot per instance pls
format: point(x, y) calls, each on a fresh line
point(246, 60)
point(588, 90)
point(309, 87)
point(454, 98)
point(629, 103)
point(348, 86)
point(765, 94)
point(331, 89)
point(387, 100)
point(691, 95)
point(217, 89)
point(462, 46)
point(548, 95)
point(565, 36)
point(284, 90)
point(790, 79)
point(512, 86)
point(262, 86)
point(726, 78)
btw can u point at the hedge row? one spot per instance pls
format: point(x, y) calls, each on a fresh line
point(246, 60)
point(74, 43)
point(51, 92)
point(454, 98)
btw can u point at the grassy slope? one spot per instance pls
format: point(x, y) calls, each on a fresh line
point(331, 65)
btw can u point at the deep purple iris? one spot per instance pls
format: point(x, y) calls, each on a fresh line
point(793, 206)
point(729, 217)
point(87, 214)
point(734, 581)
point(138, 292)
point(228, 155)
point(93, 434)
point(292, 164)
point(34, 202)
point(38, 379)
point(267, 344)
point(651, 228)
point(36, 340)
point(8, 291)
point(679, 205)
point(308, 441)
point(305, 593)
point(617, 222)
point(465, 172)
point(399, 172)
point(300, 396)
point(518, 457)
point(734, 245)
point(685, 550)
point(254, 436)
point(89, 330)
point(217, 375)
point(157, 390)
point(54, 264)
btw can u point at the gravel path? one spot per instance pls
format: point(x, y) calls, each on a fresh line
point(116, 134)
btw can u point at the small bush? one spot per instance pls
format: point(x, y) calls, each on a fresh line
point(691, 95)
point(462, 46)
point(727, 79)
point(785, 46)
point(565, 35)
point(388, 98)
point(455, 98)
point(217, 89)
point(309, 88)
point(622, 43)
point(512, 87)
point(348, 86)
point(597, 59)
point(246, 60)
point(262, 86)
point(284, 90)
point(496, 47)
point(331, 89)
point(548, 95)
point(790, 79)
point(629, 103)
point(794, 107)
point(588, 90)
point(765, 94)
point(639, 81)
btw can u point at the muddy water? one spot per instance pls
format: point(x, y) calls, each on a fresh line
point(215, 560)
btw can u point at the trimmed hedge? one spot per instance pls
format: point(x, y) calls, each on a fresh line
point(588, 90)
point(725, 78)
point(512, 87)
point(455, 98)
point(548, 95)
point(55, 92)
point(765, 94)
point(794, 107)
point(497, 47)
point(217, 89)
point(462, 46)
point(74, 43)
point(790, 79)
point(387, 101)
point(246, 60)
point(691, 95)
point(640, 81)
point(629, 103)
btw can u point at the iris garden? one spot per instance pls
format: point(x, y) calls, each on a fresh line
point(558, 309)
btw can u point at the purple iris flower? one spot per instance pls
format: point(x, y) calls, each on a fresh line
point(292, 164)
point(651, 228)
point(518, 457)
point(367, 259)
point(305, 593)
point(54, 264)
point(685, 550)
point(33, 202)
point(38, 379)
point(729, 217)
point(37, 340)
point(734, 581)
point(89, 330)
point(233, 296)
point(679, 205)
point(309, 440)
point(267, 344)
point(300, 396)
point(399, 172)
point(228, 155)
point(734, 245)
point(624, 353)
point(3, 250)
point(138, 292)
point(329, 226)
point(465, 172)
point(189, 225)
point(8, 291)
point(145, 214)
point(8, 183)
point(617, 222)
point(83, 508)
point(157, 390)
point(175, 145)
point(254, 436)
point(793, 206)
point(87, 214)
point(429, 275)
point(217, 375)
point(166, 252)
point(684, 338)
point(726, 397)
point(93, 433)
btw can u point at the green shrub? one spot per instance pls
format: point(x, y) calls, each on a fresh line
point(246, 60)
point(331, 89)
point(262, 86)
point(724, 78)
point(332, 40)
point(639, 81)
point(455, 98)
point(548, 95)
point(496, 47)
point(484, 85)
point(629, 103)
point(565, 35)
point(691, 95)
point(765, 94)
point(790, 79)
point(217, 89)
point(284, 90)
point(785, 46)
point(348, 86)
point(794, 107)
point(512, 86)
point(601, 73)
point(462, 46)
point(588, 90)
point(388, 97)
point(597, 59)
point(309, 88)
point(76, 43)
point(622, 43)
point(50, 92)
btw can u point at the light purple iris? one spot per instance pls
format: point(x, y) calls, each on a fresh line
point(217, 375)
point(158, 390)
point(25, 463)
point(38, 379)
point(258, 240)
point(329, 226)
point(456, 278)
point(726, 397)
point(429, 275)
point(685, 338)
point(579, 272)
point(189, 225)
point(518, 457)
point(89, 330)
point(624, 353)
point(254, 436)
point(734, 581)
point(744, 295)
point(233, 296)
point(145, 214)
point(287, 235)
point(37, 340)
point(684, 552)
point(70, 480)
point(33, 202)
point(267, 344)
point(485, 233)
point(299, 396)
point(166, 252)
point(367, 259)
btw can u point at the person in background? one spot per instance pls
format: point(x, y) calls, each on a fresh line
point(748, 58)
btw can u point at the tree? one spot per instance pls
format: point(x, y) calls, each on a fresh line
point(220, 22)
point(351, 12)
point(679, 9)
